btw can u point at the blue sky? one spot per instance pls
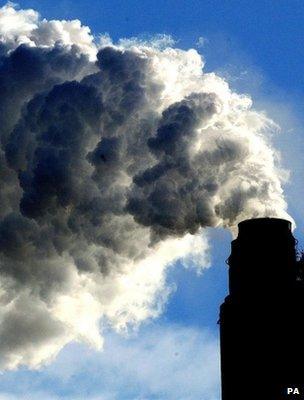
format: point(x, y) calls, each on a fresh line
point(257, 46)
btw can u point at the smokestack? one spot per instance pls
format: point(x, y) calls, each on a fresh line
point(112, 158)
point(262, 334)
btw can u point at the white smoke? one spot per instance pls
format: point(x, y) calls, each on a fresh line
point(114, 157)
point(25, 27)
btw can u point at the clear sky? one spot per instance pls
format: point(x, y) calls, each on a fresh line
point(257, 46)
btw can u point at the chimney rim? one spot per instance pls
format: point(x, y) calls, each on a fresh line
point(265, 221)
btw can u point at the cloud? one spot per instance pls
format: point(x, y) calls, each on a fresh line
point(169, 362)
point(113, 161)
point(201, 41)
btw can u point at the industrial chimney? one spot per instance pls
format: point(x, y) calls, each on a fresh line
point(261, 320)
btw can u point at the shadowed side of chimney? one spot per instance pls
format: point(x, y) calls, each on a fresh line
point(262, 338)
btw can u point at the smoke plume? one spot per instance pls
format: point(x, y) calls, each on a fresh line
point(114, 158)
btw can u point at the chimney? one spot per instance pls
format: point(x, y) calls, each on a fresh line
point(261, 328)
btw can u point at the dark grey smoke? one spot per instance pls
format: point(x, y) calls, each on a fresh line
point(105, 169)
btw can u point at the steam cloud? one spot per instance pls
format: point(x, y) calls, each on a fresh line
point(113, 159)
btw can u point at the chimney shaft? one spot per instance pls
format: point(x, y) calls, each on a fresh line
point(262, 338)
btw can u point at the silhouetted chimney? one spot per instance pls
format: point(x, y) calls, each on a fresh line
point(262, 334)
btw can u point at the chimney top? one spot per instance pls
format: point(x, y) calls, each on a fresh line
point(262, 225)
point(262, 257)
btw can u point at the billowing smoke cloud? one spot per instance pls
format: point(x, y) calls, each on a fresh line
point(113, 160)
